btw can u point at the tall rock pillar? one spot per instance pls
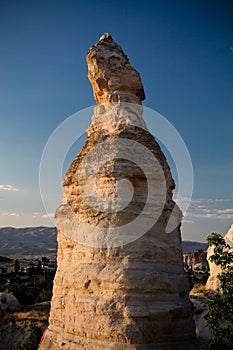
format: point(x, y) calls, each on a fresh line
point(120, 282)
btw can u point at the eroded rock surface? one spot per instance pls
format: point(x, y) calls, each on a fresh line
point(111, 75)
point(120, 283)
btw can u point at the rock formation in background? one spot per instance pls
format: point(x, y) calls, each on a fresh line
point(196, 261)
point(8, 303)
point(118, 285)
point(213, 282)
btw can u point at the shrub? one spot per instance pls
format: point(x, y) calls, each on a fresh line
point(33, 340)
point(220, 318)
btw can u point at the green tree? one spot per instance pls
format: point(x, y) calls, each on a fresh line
point(20, 291)
point(45, 295)
point(39, 268)
point(17, 266)
point(220, 319)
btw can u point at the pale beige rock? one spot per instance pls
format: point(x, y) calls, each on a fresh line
point(213, 282)
point(111, 75)
point(200, 316)
point(108, 294)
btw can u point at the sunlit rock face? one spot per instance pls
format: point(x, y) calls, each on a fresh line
point(120, 282)
point(213, 282)
point(112, 77)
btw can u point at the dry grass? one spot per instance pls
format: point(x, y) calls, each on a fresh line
point(37, 312)
point(199, 289)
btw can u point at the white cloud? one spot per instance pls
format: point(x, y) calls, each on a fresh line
point(205, 210)
point(224, 211)
point(9, 214)
point(24, 219)
point(36, 214)
point(188, 221)
point(39, 215)
point(211, 208)
point(212, 215)
point(9, 188)
point(210, 200)
point(47, 216)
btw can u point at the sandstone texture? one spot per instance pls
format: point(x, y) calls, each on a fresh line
point(213, 282)
point(120, 282)
point(111, 75)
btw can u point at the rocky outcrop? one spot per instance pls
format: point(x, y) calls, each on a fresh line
point(111, 75)
point(18, 330)
point(196, 260)
point(120, 282)
point(8, 303)
point(213, 282)
point(200, 303)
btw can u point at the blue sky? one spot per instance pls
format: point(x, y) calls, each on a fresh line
point(184, 53)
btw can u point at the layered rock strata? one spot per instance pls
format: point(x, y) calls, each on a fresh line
point(120, 282)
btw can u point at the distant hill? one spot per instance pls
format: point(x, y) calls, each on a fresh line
point(41, 241)
point(189, 246)
point(28, 241)
point(3, 259)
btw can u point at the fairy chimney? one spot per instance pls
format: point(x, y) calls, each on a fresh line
point(120, 282)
